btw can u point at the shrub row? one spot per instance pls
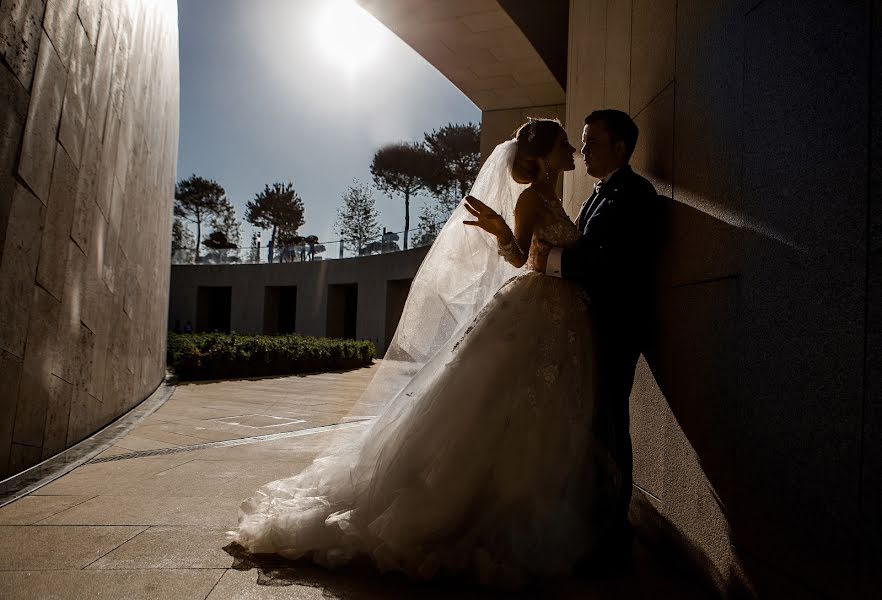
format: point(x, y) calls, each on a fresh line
point(195, 356)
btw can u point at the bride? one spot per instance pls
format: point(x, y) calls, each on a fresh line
point(480, 461)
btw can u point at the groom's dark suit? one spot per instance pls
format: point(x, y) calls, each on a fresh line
point(614, 262)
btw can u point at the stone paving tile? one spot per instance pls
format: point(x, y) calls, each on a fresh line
point(242, 585)
point(171, 483)
point(177, 508)
point(306, 582)
point(109, 477)
point(159, 434)
point(198, 511)
point(133, 443)
point(293, 449)
point(191, 584)
point(36, 548)
point(30, 509)
point(170, 548)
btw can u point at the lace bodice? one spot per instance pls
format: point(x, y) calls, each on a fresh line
point(557, 230)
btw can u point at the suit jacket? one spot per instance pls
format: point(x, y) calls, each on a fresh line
point(615, 256)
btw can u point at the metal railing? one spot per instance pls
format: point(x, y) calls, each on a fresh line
point(283, 253)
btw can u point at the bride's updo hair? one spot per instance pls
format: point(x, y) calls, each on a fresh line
point(535, 140)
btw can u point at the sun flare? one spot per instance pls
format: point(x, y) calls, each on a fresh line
point(347, 34)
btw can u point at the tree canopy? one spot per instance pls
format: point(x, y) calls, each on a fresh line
point(226, 224)
point(278, 208)
point(198, 199)
point(457, 151)
point(404, 169)
point(357, 218)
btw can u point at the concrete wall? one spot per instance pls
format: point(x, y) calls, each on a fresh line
point(372, 274)
point(499, 125)
point(88, 144)
point(756, 413)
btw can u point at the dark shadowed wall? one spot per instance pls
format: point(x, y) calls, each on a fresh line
point(88, 145)
point(757, 411)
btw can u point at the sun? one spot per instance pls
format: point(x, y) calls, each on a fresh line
point(347, 35)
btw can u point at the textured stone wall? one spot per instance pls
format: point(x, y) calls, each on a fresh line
point(756, 412)
point(88, 144)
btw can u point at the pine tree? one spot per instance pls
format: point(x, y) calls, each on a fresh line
point(225, 222)
point(357, 218)
point(198, 199)
point(457, 150)
point(278, 208)
point(404, 169)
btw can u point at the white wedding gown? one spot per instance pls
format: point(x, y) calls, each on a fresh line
point(483, 467)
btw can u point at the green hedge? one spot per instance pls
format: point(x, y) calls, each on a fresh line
point(228, 355)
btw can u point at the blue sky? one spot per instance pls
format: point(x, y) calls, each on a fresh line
point(302, 91)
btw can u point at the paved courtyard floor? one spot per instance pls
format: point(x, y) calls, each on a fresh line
point(147, 517)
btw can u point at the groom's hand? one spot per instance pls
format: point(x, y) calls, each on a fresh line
point(488, 220)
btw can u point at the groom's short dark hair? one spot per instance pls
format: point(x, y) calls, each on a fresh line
point(620, 127)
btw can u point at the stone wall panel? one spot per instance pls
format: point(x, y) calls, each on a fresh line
point(89, 12)
point(57, 417)
point(76, 96)
point(79, 301)
point(21, 456)
point(10, 378)
point(709, 119)
point(649, 417)
point(871, 476)
point(59, 22)
point(653, 26)
point(586, 63)
point(617, 68)
point(19, 268)
point(13, 113)
point(105, 180)
point(99, 97)
point(56, 233)
point(120, 63)
point(44, 114)
point(20, 36)
point(654, 155)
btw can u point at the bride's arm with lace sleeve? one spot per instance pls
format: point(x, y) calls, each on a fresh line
point(514, 247)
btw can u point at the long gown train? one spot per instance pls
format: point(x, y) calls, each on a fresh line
point(485, 467)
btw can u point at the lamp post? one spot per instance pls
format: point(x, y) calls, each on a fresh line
point(258, 247)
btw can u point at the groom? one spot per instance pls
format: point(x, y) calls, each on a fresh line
point(613, 262)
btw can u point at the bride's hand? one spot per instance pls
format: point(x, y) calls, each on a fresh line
point(488, 220)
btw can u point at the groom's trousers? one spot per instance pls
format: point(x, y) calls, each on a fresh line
point(616, 362)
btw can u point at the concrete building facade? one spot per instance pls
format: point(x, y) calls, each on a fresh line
point(357, 298)
point(88, 146)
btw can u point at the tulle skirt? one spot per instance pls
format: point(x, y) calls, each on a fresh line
point(483, 465)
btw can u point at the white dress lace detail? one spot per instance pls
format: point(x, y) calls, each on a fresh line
point(487, 470)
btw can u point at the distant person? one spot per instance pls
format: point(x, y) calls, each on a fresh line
point(188, 328)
